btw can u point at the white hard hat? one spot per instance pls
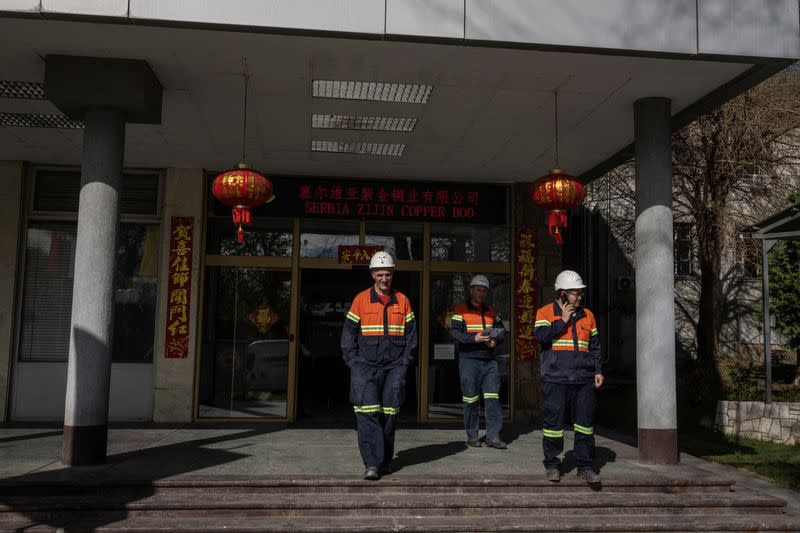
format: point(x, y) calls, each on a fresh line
point(381, 260)
point(567, 280)
point(479, 280)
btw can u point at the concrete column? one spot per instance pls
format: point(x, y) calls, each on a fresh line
point(174, 392)
point(92, 328)
point(655, 311)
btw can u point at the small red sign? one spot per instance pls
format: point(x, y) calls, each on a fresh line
point(264, 317)
point(179, 287)
point(357, 255)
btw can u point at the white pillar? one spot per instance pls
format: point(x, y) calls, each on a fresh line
point(92, 327)
point(655, 300)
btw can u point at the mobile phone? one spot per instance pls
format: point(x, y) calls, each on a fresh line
point(564, 298)
point(493, 332)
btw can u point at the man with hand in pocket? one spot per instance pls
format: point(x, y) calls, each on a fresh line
point(379, 341)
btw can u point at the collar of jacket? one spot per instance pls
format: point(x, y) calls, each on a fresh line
point(374, 298)
point(579, 312)
point(484, 308)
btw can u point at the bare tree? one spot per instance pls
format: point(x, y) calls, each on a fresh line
point(731, 167)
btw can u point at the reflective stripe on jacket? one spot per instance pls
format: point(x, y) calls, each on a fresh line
point(570, 350)
point(379, 335)
point(467, 321)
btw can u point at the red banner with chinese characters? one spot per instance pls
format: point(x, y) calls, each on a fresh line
point(357, 255)
point(179, 287)
point(525, 297)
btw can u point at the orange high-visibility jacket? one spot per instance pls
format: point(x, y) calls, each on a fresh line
point(570, 350)
point(379, 335)
point(467, 321)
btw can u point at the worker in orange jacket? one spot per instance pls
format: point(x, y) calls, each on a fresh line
point(379, 341)
point(571, 370)
point(478, 329)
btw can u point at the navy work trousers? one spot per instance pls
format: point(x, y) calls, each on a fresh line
point(480, 375)
point(377, 394)
point(561, 401)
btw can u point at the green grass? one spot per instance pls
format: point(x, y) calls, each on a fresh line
point(779, 462)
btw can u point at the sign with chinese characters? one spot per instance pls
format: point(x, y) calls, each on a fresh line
point(179, 287)
point(385, 200)
point(357, 255)
point(525, 297)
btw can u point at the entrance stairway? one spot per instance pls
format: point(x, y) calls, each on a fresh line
point(395, 503)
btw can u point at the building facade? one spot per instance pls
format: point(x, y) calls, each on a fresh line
point(412, 126)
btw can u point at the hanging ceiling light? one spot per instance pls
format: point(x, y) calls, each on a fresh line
point(556, 192)
point(242, 188)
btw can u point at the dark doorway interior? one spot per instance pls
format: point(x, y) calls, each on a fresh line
point(323, 378)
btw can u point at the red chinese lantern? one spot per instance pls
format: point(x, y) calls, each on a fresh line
point(556, 192)
point(242, 189)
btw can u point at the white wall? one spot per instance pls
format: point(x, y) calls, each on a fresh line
point(750, 28)
point(40, 390)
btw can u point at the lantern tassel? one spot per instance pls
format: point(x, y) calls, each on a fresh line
point(240, 235)
point(557, 236)
point(556, 219)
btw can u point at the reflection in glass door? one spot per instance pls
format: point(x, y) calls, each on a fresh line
point(444, 388)
point(244, 364)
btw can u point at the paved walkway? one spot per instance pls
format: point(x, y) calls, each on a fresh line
point(151, 453)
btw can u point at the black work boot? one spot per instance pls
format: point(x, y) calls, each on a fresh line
point(553, 474)
point(589, 475)
point(385, 469)
point(496, 443)
point(372, 473)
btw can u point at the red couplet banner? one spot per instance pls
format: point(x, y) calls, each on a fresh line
point(525, 297)
point(179, 287)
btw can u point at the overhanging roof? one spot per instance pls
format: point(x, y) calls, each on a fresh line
point(784, 225)
point(490, 113)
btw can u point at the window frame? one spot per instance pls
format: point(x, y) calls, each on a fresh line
point(692, 250)
point(744, 247)
point(29, 214)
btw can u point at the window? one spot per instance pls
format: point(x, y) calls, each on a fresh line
point(323, 238)
point(402, 241)
point(264, 237)
point(684, 249)
point(49, 264)
point(748, 257)
point(468, 243)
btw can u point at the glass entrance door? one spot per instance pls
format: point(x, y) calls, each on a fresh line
point(323, 378)
point(244, 363)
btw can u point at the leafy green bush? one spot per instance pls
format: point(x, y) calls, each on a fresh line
point(742, 386)
point(789, 394)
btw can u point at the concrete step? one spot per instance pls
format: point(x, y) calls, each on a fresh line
point(413, 524)
point(348, 504)
point(382, 503)
point(353, 484)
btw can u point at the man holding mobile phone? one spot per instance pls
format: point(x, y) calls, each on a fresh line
point(478, 329)
point(571, 371)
